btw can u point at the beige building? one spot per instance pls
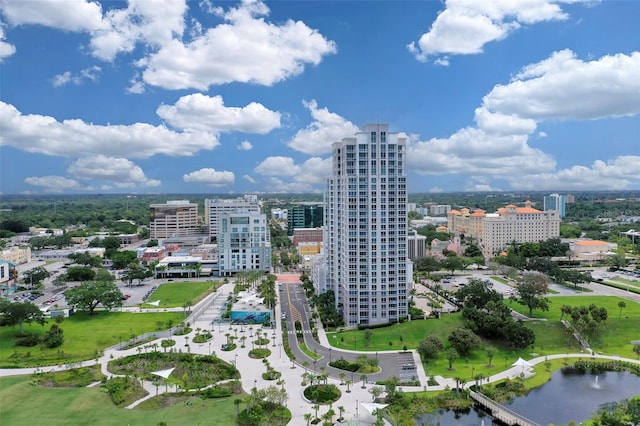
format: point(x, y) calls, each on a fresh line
point(215, 208)
point(178, 218)
point(16, 255)
point(592, 249)
point(494, 232)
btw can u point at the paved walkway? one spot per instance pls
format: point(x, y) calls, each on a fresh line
point(251, 369)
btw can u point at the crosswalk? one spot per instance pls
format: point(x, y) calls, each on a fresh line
point(293, 332)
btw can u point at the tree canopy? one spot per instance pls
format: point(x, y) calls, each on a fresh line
point(19, 313)
point(88, 295)
point(531, 290)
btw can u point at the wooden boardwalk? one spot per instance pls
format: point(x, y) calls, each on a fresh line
point(500, 412)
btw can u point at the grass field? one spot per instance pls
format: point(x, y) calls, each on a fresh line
point(84, 336)
point(24, 403)
point(614, 336)
point(550, 336)
point(173, 295)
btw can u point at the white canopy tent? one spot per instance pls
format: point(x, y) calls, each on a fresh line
point(522, 363)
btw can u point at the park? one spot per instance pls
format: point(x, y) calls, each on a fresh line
point(110, 362)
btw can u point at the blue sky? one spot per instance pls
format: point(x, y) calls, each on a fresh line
point(232, 97)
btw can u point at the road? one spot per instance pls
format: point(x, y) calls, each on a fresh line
point(294, 305)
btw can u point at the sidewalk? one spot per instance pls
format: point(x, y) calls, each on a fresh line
point(251, 369)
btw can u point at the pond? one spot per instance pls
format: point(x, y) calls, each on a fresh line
point(564, 398)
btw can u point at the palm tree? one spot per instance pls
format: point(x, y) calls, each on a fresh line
point(316, 407)
point(307, 417)
point(342, 376)
point(341, 410)
point(621, 305)
point(364, 381)
point(237, 403)
point(348, 382)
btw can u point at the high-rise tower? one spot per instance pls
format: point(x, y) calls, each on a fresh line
point(366, 227)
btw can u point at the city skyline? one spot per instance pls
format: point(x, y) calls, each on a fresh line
point(247, 97)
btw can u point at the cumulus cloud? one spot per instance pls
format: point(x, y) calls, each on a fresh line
point(284, 175)
point(277, 166)
point(202, 112)
point(560, 87)
point(245, 146)
point(210, 177)
point(563, 87)
point(69, 15)
point(75, 138)
point(120, 172)
point(6, 49)
point(245, 48)
point(465, 26)
point(481, 187)
point(317, 137)
point(619, 173)
point(56, 184)
point(66, 77)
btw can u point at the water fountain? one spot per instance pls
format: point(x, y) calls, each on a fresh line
point(596, 385)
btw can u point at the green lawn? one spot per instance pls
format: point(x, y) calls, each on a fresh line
point(633, 283)
point(173, 295)
point(24, 403)
point(614, 336)
point(408, 333)
point(84, 336)
point(550, 337)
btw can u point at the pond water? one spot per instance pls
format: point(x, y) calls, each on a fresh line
point(563, 399)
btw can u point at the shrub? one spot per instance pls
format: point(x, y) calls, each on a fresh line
point(322, 394)
point(259, 353)
point(216, 392)
point(28, 340)
point(343, 364)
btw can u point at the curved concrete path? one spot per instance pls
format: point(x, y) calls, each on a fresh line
point(251, 369)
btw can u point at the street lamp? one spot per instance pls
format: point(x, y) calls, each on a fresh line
point(280, 344)
point(255, 383)
point(330, 354)
point(209, 348)
point(314, 366)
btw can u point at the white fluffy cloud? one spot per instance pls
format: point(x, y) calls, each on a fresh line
point(561, 87)
point(6, 49)
point(69, 15)
point(67, 77)
point(57, 184)
point(211, 177)
point(119, 172)
point(465, 26)
point(618, 173)
point(245, 48)
point(202, 112)
point(153, 23)
point(284, 175)
point(277, 166)
point(317, 137)
point(75, 138)
point(245, 146)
